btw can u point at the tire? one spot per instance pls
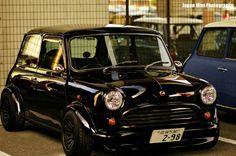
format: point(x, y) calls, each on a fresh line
point(10, 118)
point(75, 140)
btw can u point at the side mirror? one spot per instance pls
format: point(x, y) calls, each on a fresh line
point(178, 65)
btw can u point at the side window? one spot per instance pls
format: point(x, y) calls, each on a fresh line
point(51, 56)
point(213, 43)
point(30, 51)
point(232, 46)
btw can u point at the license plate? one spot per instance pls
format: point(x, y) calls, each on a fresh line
point(166, 135)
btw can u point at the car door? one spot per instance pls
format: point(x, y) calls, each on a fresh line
point(227, 69)
point(207, 60)
point(51, 80)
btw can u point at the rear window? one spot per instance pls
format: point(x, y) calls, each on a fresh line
point(213, 43)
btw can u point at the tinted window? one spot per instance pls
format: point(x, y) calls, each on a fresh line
point(51, 54)
point(213, 43)
point(30, 51)
point(232, 46)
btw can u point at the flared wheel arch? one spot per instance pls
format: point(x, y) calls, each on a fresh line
point(14, 92)
point(83, 114)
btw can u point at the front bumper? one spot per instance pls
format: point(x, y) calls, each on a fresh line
point(134, 134)
point(140, 139)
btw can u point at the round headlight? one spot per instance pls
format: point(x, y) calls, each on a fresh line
point(208, 95)
point(113, 100)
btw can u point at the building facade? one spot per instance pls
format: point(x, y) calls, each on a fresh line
point(18, 17)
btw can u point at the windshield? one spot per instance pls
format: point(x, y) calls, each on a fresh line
point(117, 50)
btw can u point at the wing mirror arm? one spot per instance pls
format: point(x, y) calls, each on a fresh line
point(178, 65)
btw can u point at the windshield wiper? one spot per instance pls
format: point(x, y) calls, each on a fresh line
point(127, 62)
point(154, 63)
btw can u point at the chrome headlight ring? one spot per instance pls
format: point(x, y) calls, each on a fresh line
point(113, 100)
point(208, 95)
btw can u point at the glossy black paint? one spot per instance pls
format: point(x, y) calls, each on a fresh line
point(45, 96)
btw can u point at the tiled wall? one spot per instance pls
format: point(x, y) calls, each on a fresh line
point(19, 16)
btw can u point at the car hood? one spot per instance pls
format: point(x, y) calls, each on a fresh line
point(135, 82)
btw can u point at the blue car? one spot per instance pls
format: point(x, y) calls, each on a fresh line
point(214, 59)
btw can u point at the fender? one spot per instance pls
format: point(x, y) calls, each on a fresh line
point(83, 114)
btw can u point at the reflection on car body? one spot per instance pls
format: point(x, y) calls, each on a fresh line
point(112, 85)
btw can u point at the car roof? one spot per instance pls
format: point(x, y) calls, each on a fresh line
point(226, 23)
point(90, 29)
point(173, 20)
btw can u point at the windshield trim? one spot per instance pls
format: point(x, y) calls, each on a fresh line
point(110, 49)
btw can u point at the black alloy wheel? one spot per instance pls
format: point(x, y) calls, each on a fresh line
point(75, 140)
point(5, 112)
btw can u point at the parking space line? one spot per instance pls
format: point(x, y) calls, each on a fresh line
point(230, 141)
point(3, 154)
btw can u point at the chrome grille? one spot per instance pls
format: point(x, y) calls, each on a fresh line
point(150, 116)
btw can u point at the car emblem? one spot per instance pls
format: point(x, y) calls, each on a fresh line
point(162, 93)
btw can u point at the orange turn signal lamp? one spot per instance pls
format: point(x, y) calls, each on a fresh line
point(207, 115)
point(112, 121)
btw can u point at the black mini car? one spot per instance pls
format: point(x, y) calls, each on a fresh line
point(111, 85)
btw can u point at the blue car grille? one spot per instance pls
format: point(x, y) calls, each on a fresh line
point(161, 116)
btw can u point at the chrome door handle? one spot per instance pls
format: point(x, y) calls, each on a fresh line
point(222, 69)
